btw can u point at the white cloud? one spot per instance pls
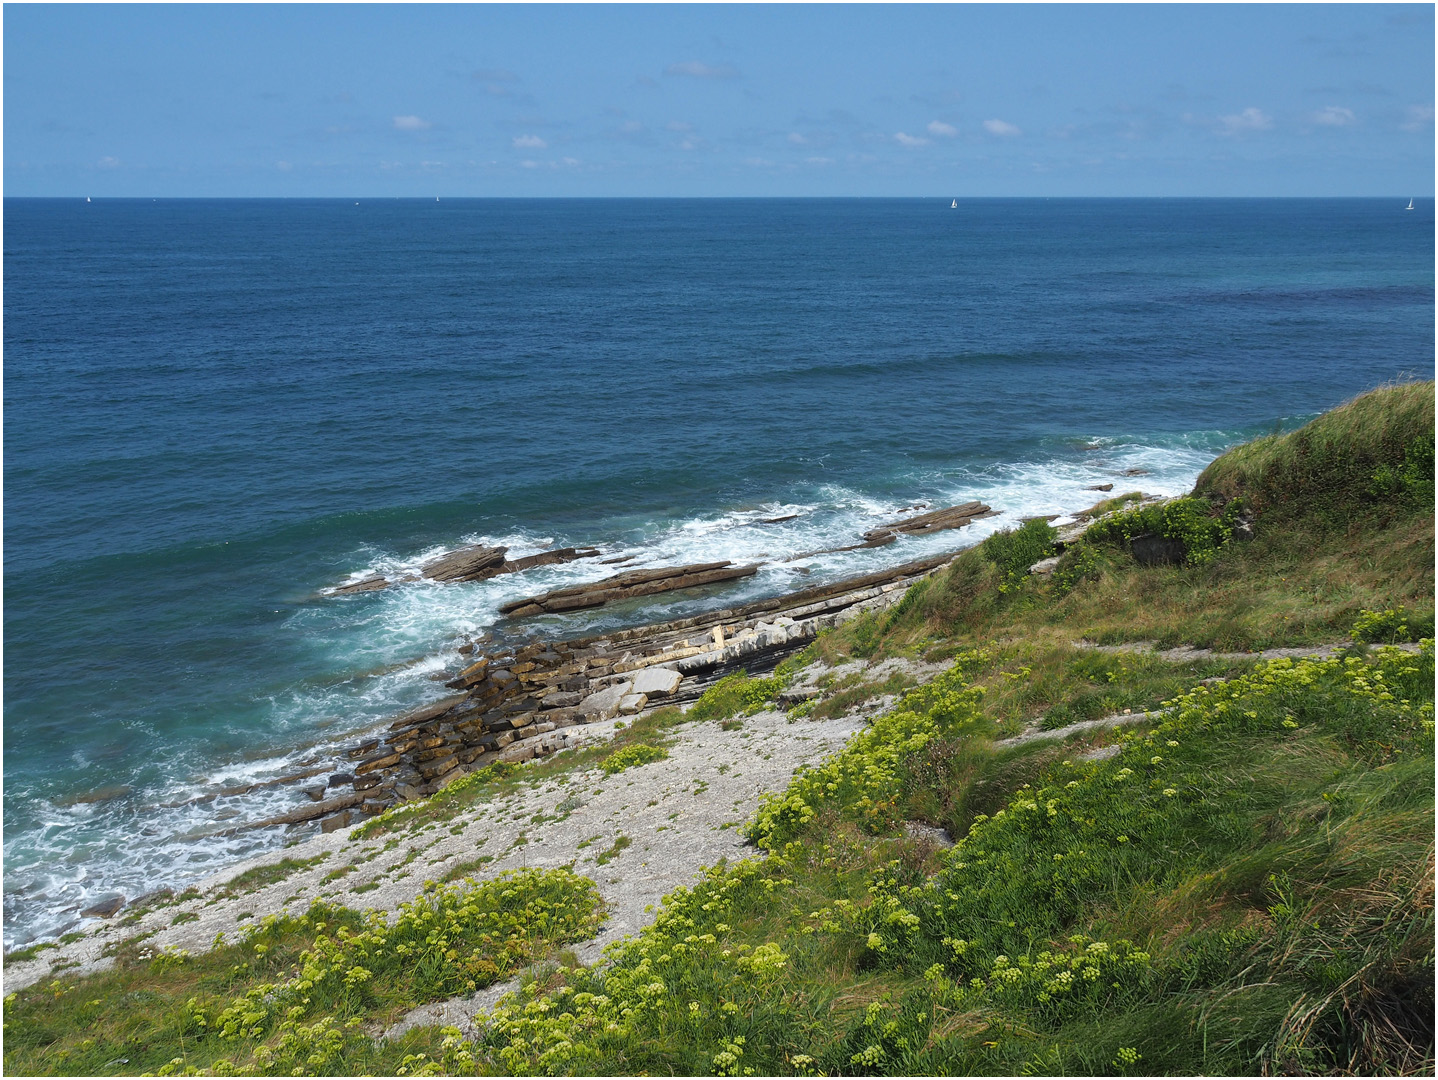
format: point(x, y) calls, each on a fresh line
point(938, 127)
point(909, 140)
point(529, 142)
point(410, 123)
point(1249, 120)
point(1418, 118)
point(819, 160)
point(1001, 128)
point(796, 139)
point(696, 69)
point(1334, 116)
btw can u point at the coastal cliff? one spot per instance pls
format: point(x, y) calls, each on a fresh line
point(1027, 832)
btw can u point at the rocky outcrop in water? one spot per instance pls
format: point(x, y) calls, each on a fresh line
point(474, 563)
point(625, 586)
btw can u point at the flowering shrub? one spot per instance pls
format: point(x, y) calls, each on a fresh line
point(680, 982)
point(637, 754)
point(1154, 812)
point(863, 778)
point(451, 940)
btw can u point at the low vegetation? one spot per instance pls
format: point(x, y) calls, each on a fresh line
point(1236, 877)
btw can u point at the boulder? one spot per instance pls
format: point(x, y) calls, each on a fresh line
point(656, 681)
point(1151, 550)
point(1044, 566)
point(606, 702)
point(1100, 487)
point(630, 704)
point(336, 821)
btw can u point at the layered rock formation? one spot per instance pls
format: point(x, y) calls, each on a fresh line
point(629, 584)
point(517, 704)
point(474, 563)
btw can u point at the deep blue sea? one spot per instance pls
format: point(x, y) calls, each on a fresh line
point(215, 409)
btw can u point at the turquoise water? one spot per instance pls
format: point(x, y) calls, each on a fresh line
point(217, 408)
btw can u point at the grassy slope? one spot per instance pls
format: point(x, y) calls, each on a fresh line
point(1246, 887)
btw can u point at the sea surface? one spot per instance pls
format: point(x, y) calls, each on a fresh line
point(216, 409)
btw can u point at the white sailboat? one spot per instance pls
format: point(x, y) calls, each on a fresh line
point(954, 205)
point(1410, 205)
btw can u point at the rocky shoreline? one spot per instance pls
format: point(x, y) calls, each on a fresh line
point(513, 705)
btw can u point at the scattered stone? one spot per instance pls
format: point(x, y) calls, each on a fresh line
point(317, 792)
point(1101, 487)
point(336, 821)
point(1044, 566)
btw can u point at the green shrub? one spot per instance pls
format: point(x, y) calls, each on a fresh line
point(736, 694)
point(1013, 551)
point(629, 756)
point(1391, 626)
point(1190, 521)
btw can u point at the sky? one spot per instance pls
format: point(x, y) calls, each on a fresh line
point(718, 100)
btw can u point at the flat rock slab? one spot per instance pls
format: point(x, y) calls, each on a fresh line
point(951, 517)
point(606, 702)
point(629, 584)
point(656, 681)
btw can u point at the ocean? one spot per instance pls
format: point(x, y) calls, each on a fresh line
point(215, 409)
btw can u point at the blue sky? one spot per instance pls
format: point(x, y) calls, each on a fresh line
point(718, 100)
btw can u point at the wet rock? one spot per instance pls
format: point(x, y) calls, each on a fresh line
point(428, 712)
point(1100, 487)
point(951, 517)
point(473, 563)
point(339, 779)
point(104, 909)
point(631, 583)
point(336, 821)
point(317, 792)
point(380, 761)
point(369, 584)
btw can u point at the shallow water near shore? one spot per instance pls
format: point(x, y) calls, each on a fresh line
point(217, 408)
